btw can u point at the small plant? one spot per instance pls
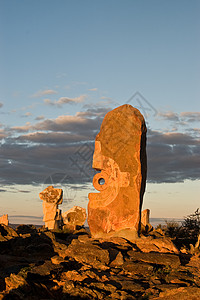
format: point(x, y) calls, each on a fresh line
point(172, 229)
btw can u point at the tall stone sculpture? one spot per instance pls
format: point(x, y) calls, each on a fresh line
point(120, 156)
point(52, 214)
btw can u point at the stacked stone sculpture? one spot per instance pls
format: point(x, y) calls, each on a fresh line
point(52, 214)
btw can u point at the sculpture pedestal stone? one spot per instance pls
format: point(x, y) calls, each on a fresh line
point(120, 156)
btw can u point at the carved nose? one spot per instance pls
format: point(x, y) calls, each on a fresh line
point(97, 161)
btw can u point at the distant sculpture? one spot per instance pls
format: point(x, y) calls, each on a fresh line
point(120, 156)
point(145, 217)
point(4, 220)
point(74, 217)
point(52, 214)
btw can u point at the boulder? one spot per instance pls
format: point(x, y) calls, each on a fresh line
point(7, 232)
point(88, 253)
point(158, 244)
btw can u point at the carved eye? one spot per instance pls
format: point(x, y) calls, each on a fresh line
point(101, 181)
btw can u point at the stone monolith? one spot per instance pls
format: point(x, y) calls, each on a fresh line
point(120, 156)
point(52, 214)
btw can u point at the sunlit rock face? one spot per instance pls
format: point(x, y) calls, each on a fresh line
point(145, 217)
point(51, 199)
point(4, 219)
point(74, 217)
point(120, 156)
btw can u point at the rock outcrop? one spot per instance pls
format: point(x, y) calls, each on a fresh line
point(41, 264)
point(120, 156)
point(52, 214)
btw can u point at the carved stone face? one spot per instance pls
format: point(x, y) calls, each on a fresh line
point(117, 156)
point(113, 179)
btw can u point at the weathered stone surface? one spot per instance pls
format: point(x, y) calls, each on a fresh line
point(183, 293)
point(79, 267)
point(51, 199)
point(118, 261)
point(23, 229)
point(120, 155)
point(145, 217)
point(52, 195)
point(75, 216)
point(7, 232)
point(4, 220)
point(154, 258)
point(88, 253)
point(150, 244)
point(14, 282)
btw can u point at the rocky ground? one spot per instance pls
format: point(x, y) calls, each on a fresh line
point(42, 264)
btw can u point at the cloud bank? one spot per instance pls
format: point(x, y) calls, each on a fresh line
point(32, 153)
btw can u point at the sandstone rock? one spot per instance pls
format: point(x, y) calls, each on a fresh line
point(46, 268)
point(4, 220)
point(120, 155)
point(183, 293)
point(154, 258)
point(51, 199)
point(14, 281)
point(88, 253)
point(74, 217)
point(52, 195)
point(118, 261)
point(145, 217)
point(161, 244)
point(7, 231)
point(23, 229)
point(56, 260)
point(92, 269)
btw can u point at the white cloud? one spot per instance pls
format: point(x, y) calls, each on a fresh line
point(39, 118)
point(65, 100)
point(191, 116)
point(27, 114)
point(48, 102)
point(169, 116)
point(43, 93)
point(93, 90)
point(82, 121)
point(24, 128)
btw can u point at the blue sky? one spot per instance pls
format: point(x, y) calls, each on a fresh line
point(64, 64)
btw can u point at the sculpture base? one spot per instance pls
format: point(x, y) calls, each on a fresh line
point(130, 234)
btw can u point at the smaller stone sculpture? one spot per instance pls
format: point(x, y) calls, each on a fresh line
point(74, 217)
point(145, 217)
point(51, 199)
point(4, 220)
